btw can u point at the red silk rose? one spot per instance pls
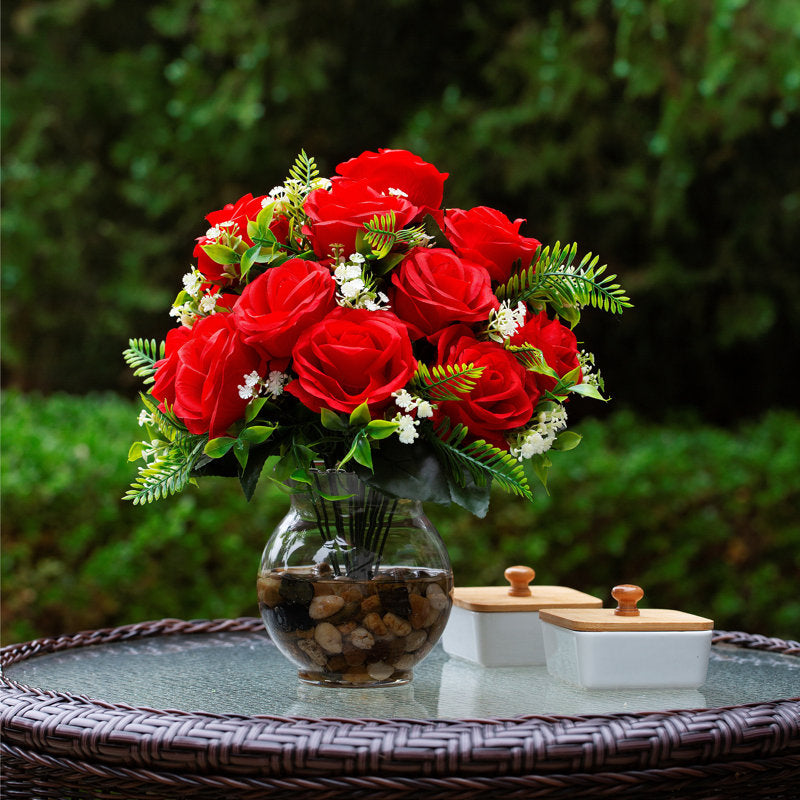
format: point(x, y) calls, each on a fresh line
point(499, 402)
point(350, 357)
point(434, 288)
point(164, 385)
point(557, 343)
point(282, 302)
point(398, 169)
point(488, 237)
point(209, 366)
point(336, 216)
point(233, 218)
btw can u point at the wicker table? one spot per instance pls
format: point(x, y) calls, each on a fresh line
point(457, 732)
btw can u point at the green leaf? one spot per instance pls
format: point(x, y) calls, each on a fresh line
point(249, 258)
point(362, 452)
point(432, 229)
point(257, 434)
point(135, 451)
point(331, 420)
point(567, 440)
point(253, 408)
point(141, 356)
point(221, 254)
point(360, 415)
point(381, 234)
point(445, 382)
point(588, 390)
point(242, 452)
point(381, 428)
point(216, 448)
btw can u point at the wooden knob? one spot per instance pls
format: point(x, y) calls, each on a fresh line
point(627, 596)
point(519, 577)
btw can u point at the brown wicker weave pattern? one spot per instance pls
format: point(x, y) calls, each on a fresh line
point(52, 733)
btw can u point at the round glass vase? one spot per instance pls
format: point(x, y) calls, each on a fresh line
point(355, 587)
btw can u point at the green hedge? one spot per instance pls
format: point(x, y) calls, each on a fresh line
point(705, 519)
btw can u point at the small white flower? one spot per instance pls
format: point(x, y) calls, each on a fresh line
point(403, 399)
point(192, 281)
point(347, 272)
point(506, 321)
point(144, 418)
point(213, 233)
point(208, 304)
point(356, 258)
point(397, 192)
point(276, 192)
point(424, 409)
point(252, 379)
point(352, 288)
point(407, 428)
point(275, 382)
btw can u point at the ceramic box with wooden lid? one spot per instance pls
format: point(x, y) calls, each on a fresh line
point(498, 626)
point(627, 647)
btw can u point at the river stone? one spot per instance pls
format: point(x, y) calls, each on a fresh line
point(374, 623)
point(380, 671)
point(324, 606)
point(328, 638)
point(362, 639)
point(297, 590)
point(394, 598)
point(415, 640)
point(436, 596)
point(420, 609)
point(313, 651)
point(398, 626)
point(291, 616)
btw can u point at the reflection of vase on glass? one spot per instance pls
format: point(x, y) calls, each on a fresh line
point(354, 585)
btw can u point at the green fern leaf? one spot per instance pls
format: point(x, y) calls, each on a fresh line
point(304, 170)
point(166, 475)
point(380, 233)
point(553, 278)
point(482, 461)
point(142, 355)
point(446, 382)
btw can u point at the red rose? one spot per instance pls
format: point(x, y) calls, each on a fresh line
point(490, 238)
point(500, 401)
point(209, 367)
point(337, 215)
point(420, 181)
point(282, 302)
point(233, 218)
point(435, 288)
point(164, 385)
point(352, 356)
point(557, 343)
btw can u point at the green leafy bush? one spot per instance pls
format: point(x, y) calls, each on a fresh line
point(706, 520)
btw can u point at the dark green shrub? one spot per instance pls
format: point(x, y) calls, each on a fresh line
point(705, 519)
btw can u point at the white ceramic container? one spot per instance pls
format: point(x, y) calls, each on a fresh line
point(627, 647)
point(499, 626)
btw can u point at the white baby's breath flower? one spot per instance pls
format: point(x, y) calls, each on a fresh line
point(396, 192)
point(505, 321)
point(424, 409)
point(252, 379)
point(208, 303)
point(356, 258)
point(145, 418)
point(213, 232)
point(192, 281)
point(352, 288)
point(539, 437)
point(276, 381)
point(403, 399)
point(407, 428)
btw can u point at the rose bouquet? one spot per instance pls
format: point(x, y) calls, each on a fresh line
point(355, 322)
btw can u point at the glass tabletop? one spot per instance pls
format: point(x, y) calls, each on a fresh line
point(243, 673)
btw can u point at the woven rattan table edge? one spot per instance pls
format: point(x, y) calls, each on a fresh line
point(549, 744)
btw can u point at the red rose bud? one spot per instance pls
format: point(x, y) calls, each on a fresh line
point(488, 237)
point(282, 302)
point(336, 216)
point(209, 367)
point(557, 343)
point(350, 357)
point(499, 401)
point(434, 288)
point(398, 170)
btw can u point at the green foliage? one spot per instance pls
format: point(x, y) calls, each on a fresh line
point(141, 357)
point(445, 382)
point(706, 520)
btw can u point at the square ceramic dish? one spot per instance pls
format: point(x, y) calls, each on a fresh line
point(627, 647)
point(498, 626)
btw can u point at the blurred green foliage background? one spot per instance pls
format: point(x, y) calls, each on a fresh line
point(661, 134)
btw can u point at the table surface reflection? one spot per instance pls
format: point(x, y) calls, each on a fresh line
point(245, 674)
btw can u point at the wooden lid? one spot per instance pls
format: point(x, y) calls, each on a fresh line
point(626, 616)
point(519, 596)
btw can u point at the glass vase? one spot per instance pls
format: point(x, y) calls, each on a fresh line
point(354, 586)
